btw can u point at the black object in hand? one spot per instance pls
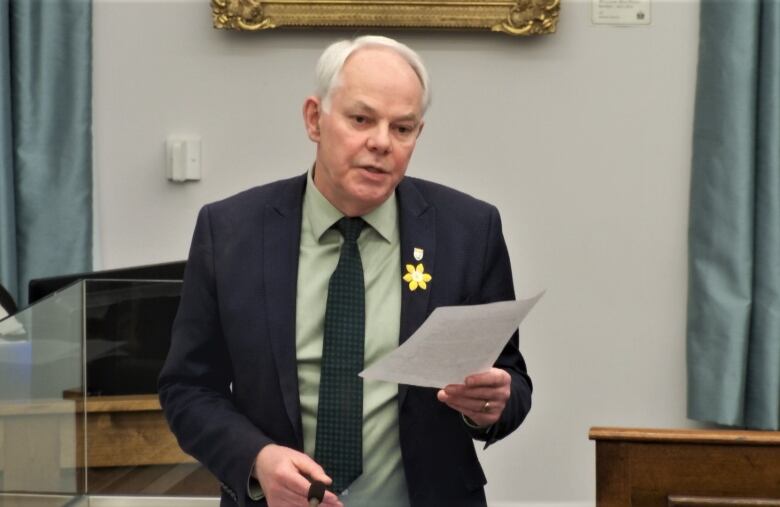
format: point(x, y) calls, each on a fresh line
point(316, 493)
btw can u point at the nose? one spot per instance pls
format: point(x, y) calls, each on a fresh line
point(379, 139)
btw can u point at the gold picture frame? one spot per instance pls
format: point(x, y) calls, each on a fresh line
point(513, 17)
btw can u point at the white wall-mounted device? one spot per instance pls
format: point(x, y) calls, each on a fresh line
point(183, 158)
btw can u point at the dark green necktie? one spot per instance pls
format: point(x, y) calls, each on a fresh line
point(339, 443)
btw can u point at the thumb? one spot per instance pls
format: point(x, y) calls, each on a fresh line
point(311, 469)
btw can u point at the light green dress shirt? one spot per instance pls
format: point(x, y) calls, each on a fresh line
point(383, 481)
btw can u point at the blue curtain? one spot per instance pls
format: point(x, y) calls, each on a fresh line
point(8, 272)
point(734, 233)
point(45, 140)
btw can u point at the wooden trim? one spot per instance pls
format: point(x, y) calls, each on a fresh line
point(95, 405)
point(42, 407)
point(689, 436)
point(129, 403)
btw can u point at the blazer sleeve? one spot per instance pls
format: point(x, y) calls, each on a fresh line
point(195, 382)
point(497, 285)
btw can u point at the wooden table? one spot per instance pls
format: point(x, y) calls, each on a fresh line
point(654, 467)
point(127, 448)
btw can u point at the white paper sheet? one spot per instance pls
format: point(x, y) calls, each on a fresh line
point(453, 343)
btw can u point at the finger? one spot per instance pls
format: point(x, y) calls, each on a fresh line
point(330, 499)
point(493, 377)
point(478, 407)
point(480, 393)
point(494, 395)
point(296, 485)
point(279, 493)
point(287, 497)
point(483, 418)
point(294, 480)
point(311, 469)
point(464, 404)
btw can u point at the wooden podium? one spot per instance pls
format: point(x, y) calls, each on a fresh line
point(127, 446)
point(716, 468)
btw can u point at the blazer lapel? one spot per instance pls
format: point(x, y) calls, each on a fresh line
point(418, 231)
point(281, 243)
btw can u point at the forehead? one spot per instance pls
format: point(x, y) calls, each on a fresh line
point(379, 75)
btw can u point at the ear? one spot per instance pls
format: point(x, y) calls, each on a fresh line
point(312, 112)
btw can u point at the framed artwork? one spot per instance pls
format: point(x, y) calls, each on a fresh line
point(512, 17)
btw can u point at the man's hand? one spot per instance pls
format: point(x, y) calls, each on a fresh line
point(282, 473)
point(482, 397)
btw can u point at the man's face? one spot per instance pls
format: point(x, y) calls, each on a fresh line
point(365, 141)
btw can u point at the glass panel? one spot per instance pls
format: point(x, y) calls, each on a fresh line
point(130, 449)
point(41, 398)
point(79, 413)
point(128, 326)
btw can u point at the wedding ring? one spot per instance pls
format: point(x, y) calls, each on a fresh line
point(486, 406)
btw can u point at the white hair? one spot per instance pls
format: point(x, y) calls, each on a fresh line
point(333, 58)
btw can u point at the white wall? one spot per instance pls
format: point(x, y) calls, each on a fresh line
point(582, 139)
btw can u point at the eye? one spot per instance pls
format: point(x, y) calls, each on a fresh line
point(404, 130)
point(360, 119)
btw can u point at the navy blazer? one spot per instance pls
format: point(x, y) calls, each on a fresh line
point(230, 383)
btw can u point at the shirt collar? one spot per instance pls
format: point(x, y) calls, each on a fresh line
point(322, 214)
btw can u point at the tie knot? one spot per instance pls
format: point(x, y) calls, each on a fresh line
point(350, 228)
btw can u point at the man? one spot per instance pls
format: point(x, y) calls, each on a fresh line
point(246, 374)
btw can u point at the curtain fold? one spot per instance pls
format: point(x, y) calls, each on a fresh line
point(51, 140)
point(8, 267)
point(733, 348)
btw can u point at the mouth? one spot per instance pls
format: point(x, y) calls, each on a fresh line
point(373, 169)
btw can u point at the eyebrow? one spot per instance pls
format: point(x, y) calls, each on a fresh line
point(359, 104)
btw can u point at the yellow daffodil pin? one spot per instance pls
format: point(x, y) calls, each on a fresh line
point(417, 277)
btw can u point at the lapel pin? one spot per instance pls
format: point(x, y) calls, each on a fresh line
point(418, 254)
point(417, 277)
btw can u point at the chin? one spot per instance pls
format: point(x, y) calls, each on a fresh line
point(371, 200)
